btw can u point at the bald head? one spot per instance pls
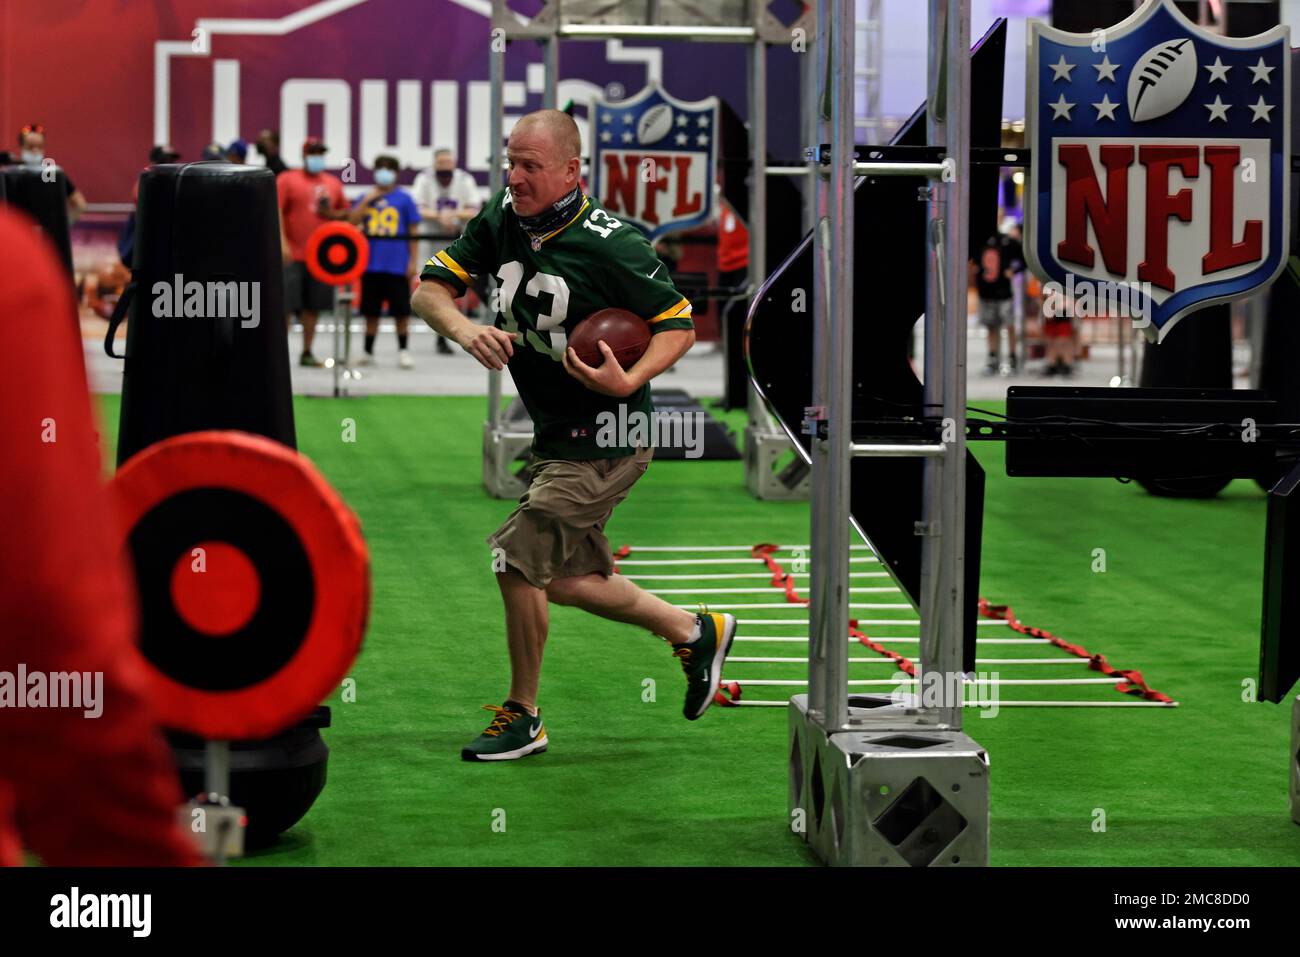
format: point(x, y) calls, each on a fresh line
point(544, 160)
point(557, 128)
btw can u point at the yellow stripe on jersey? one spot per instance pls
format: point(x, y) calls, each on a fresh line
point(448, 263)
point(679, 310)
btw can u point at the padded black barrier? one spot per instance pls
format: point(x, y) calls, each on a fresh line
point(228, 366)
point(43, 195)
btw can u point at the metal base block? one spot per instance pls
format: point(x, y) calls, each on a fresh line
point(1295, 761)
point(763, 450)
point(900, 798)
point(502, 447)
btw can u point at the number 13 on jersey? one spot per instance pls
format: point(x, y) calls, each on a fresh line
point(551, 323)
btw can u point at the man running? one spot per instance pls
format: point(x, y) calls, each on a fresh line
point(558, 257)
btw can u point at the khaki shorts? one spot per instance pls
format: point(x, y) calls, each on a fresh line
point(558, 530)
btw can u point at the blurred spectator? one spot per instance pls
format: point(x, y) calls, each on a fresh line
point(308, 198)
point(162, 153)
point(388, 211)
point(447, 198)
point(669, 250)
point(31, 146)
point(237, 152)
point(213, 151)
point(998, 262)
point(268, 144)
point(1060, 337)
point(733, 273)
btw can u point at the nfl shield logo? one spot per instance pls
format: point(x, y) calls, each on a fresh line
point(1161, 159)
point(653, 160)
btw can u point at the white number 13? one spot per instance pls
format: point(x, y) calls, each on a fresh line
point(552, 322)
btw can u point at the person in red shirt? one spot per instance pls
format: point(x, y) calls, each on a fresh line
point(308, 197)
point(78, 786)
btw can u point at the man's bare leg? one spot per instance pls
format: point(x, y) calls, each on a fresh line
point(527, 621)
point(615, 598)
point(619, 599)
point(308, 319)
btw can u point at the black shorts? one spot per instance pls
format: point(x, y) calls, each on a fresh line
point(302, 291)
point(378, 287)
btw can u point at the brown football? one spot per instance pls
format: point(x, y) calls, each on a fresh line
point(626, 333)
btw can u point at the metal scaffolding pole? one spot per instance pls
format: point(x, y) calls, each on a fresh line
point(550, 72)
point(811, 70)
point(869, 73)
point(497, 78)
point(758, 163)
point(943, 515)
point(840, 766)
point(828, 612)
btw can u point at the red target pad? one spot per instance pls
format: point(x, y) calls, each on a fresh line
point(337, 253)
point(253, 578)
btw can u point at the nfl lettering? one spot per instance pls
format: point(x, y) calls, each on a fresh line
point(1160, 160)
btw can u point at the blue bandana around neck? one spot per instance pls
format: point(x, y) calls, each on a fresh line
point(556, 215)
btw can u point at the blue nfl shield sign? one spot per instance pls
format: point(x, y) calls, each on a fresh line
point(1160, 166)
point(653, 159)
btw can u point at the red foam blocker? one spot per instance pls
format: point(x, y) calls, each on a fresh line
point(337, 253)
point(253, 582)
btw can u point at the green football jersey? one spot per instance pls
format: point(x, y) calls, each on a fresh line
point(592, 262)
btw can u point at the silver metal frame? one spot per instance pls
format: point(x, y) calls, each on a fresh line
point(943, 518)
point(823, 725)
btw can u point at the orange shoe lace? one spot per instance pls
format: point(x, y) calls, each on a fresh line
point(684, 651)
point(502, 721)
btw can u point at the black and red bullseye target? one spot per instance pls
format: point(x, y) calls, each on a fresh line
point(337, 253)
point(253, 581)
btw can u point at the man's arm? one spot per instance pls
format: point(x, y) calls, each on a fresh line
point(434, 303)
point(359, 212)
point(609, 378)
point(665, 349)
point(76, 206)
point(286, 251)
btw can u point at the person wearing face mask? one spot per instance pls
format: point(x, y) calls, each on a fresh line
point(31, 147)
point(308, 197)
point(387, 210)
point(448, 198)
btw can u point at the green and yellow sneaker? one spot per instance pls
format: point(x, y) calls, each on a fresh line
point(702, 661)
point(513, 733)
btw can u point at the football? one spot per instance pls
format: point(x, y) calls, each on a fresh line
point(626, 333)
point(1162, 79)
point(655, 124)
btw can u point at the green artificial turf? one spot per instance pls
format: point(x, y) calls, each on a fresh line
point(630, 782)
